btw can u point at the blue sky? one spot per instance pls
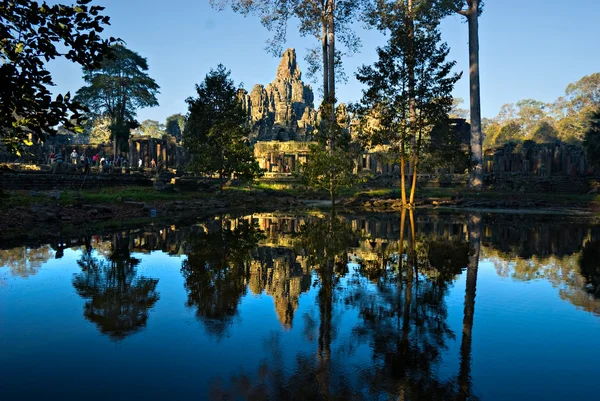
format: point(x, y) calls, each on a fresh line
point(529, 49)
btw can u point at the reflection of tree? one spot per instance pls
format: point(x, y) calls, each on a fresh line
point(571, 275)
point(276, 382)
point(23, 261)
point(405, 319)
point(215, 270)
point(326, 242)
point(589, 263)
point(464, 376)
point(117, 300)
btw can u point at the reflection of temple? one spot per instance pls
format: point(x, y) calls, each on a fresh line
point(280, 273)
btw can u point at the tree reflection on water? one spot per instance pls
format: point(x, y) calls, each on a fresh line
point(216, 269)
point(117, 300)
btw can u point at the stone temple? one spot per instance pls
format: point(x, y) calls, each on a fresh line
point(284, 109)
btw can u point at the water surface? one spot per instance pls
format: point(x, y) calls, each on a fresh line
point(277, 307)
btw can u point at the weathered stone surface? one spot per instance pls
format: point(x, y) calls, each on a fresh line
point(284, 109)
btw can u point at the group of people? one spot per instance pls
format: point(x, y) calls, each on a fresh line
point(85, 161)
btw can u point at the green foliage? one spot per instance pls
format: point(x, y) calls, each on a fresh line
point(457, 111)
point(331, 161)
point(215, 133)
point(444, 148)
point(117, 88)
point(175, 125)
point(31, 35)
point(98, 131)
point(408, 91)
point(326, 170)
point(591, 141)
point(565, 120)
point(387, 95)
point(151, 128)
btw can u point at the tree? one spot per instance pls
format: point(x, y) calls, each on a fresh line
point(572, 110)
point(152, 128)
point(457, 111)
point(215, 132)
point(175, 125)
point(116, 89)
point(331, 168)
point(591, 141)
point(98, 131)
point(407, 115)
point(33, 34)
point(544, 132)
point(471, 13)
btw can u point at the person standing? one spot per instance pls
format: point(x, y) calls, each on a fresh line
point(74, 156)
point(82, 162)
point(58, 161)
point(140, 163)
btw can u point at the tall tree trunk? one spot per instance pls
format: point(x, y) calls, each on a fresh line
point(324, 46)
point(476, 176)
point(403, 173)
point(331, 51)
point(413, 187)
point(115, 147)
point(464, 376)
point(331, 100)
point(410, 61)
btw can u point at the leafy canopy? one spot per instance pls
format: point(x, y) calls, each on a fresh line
point(117, 88)
point(591, 141)
point(387, 97)
point(152, 128)
point(175, 125)
point(215, 133)
point(32, 34)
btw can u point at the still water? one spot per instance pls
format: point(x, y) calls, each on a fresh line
point(278, 307)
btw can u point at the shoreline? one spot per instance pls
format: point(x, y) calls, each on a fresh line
point(27, 216)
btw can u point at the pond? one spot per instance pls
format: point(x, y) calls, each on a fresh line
point(424, 306)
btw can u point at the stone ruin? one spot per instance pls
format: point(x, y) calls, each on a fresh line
point(284, 109)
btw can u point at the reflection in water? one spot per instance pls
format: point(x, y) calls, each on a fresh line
point(405, 318)
point(117, 300)
point(373, 293)
point(589, 263)
point(215, 270)
point(24, 261)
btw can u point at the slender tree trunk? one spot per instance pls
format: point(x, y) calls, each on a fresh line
point(412, 103)
point(413, 187)
point(403, 173)
point(115, 146)
point(324, 46)
point(464, 376)
point(333, 128)
point(476, 176)
point(331, 51)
